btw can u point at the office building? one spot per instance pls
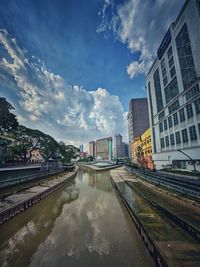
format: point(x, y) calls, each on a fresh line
point(92, 149)
point(138, 121)
point(173, 87)
point(81, 148)
point(104, 149)
point(118, 146)
point(125, 150)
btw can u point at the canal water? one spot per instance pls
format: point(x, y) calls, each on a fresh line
point(82, 224)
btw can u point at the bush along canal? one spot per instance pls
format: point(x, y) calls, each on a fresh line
point(167, 241)
point(81, 224)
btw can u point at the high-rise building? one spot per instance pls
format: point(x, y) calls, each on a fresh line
point(104, 148)
point(173, 85)
point(118, 146)
point(125, 149)
point(81, 148)
point(138, 120)
point(92, 149)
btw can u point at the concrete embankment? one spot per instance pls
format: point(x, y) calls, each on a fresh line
point(18, 202)
point(95, 168)
point(167, 242)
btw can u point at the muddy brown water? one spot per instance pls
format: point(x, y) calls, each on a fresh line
point(82, 224)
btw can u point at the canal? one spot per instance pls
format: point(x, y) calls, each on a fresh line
point(82, 224)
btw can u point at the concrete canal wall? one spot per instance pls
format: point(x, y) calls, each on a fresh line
point(12, 205)
point(95, 168)
point(167, 242)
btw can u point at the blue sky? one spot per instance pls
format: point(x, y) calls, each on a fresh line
point(92, 52)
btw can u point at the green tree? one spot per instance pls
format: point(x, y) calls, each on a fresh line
point(8, 121)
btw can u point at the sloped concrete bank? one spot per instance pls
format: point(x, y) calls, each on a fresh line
point(14, 204)
point(98, 169)
point(167, 243)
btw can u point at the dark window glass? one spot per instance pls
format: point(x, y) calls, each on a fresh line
point(175, 118)
point(171, 90)
point(178, 138)
point(197, 105)
point(159, 101)
point(184, 135)
point(169, 52)
point(174, 106)
point(172, 139)
point(167, 140)
point(161, 127)
point(199, 128)
point(182, 115)
point(171, 62)
point(192, 92)
point(165, 124)
point(162, 63)
point(163, 72)
point(172, 72)
point(170, 122)
point(162, 142)
point(161, 115)
point(189, 111)
point(185, 57)
point(165, 81)
point(198, 6)
point(193, 134)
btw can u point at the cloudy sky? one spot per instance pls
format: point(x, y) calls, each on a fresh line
point(70, 67)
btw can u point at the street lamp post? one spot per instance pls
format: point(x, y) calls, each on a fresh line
point(193, 161)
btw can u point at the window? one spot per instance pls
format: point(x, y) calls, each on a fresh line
point(172, 72)
point(171, 90)
point(197, 105)
point(192, 92)
point(171, 62)
point(161, 127)
point(159, 101)
point(161, 115)
point(172, 139)
point(189, 111)
point(174, 106)
point(163, 72)
point(170, 122)
point(165, 81)
point(167, 140)
point(185, 57)
point(175, 118)
point(193, 134)
point(162, 142)
point(162, 63)
point(182, 115)
point(169, 52)
point(199, 128)
point(165, 124)
point(178, 138)
point(184, 135)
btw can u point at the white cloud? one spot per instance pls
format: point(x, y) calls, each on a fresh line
point(140, 25)
point(46, 101)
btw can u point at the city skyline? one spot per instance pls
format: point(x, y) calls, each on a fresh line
point(48, 60)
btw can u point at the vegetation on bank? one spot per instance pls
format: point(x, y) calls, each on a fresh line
point(21, 141)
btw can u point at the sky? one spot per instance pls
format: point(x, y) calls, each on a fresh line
point(70, 67)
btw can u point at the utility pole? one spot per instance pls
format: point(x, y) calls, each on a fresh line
point(193, 161)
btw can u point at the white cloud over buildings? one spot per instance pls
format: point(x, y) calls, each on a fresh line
point(140, 25)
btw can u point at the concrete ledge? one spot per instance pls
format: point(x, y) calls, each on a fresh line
point(16, 203)
point(94, 168)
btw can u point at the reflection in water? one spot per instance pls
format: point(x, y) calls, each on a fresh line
point(80, 225)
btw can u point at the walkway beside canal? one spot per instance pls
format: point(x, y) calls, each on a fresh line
point(13, 204)
point(165, 240)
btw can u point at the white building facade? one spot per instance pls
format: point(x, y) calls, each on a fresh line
point(173, 88)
